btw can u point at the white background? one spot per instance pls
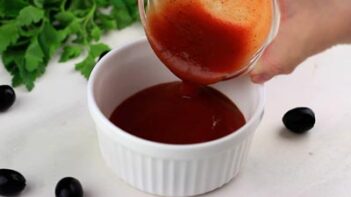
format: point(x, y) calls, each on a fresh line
point(48, 134)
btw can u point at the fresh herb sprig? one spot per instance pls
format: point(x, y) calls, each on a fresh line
point(32, 31)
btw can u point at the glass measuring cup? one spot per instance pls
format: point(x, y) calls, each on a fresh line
point(206, 41)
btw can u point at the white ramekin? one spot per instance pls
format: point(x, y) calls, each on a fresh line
point(164, 169)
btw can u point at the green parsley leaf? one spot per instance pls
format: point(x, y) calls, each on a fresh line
point(65, 17)
point(102, 3)
point(96, 33)
point(50, 40)
point(9, 57)
point(121, 13)
point(11, 8)
point(30, 15)
point(97, 49)
point(9, 34)
point(70, 52)
point(106, 22)
point(34, 56)
point(87, 65)
point(39, 3)
point(26, 77)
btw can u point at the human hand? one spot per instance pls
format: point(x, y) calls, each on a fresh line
point(307, 28)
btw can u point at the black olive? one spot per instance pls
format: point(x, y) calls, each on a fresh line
point(299, 120)
point(103, 54)
point(69, 187)
point(11, 182)
point(7, 97)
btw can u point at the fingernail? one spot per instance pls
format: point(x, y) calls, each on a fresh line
point(260, 78)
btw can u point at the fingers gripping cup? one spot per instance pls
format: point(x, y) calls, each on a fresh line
point(206, 41)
